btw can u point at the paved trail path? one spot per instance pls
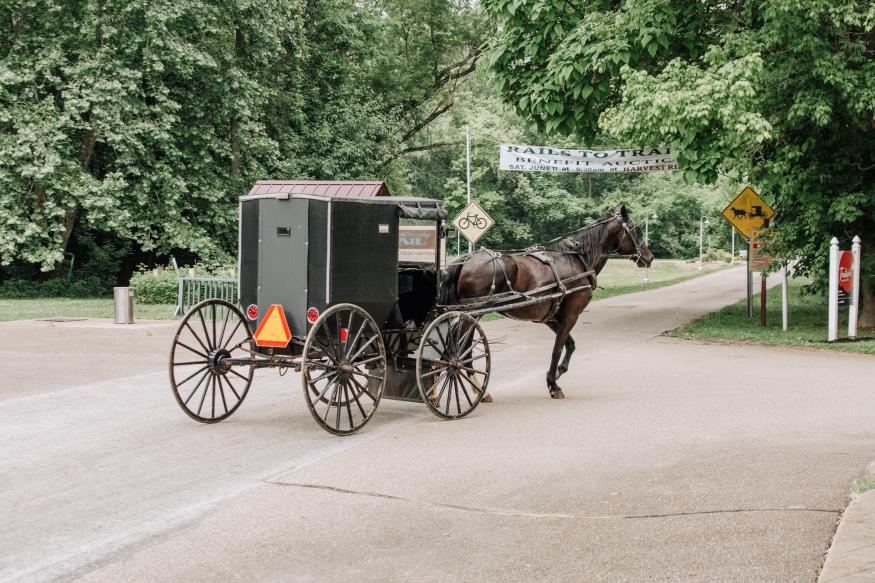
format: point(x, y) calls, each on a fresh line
point(666, 461)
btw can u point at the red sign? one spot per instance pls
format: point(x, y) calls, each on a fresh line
point(846, 271)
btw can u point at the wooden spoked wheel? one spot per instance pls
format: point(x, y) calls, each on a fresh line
point(206, 382)
point(343, 369)
point(452, 365)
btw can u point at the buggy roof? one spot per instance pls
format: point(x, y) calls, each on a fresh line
point(409, 207)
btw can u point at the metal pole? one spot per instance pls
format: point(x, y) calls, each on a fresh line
point(833, 321)
point(468, 172)
point(749, 285)
point(763, 279)
point(855, 289)
point(701, 231)
point(647, 244)
point(731, 228)
point(784, 298)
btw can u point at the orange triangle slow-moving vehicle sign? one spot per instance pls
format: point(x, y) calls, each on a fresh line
point(273, 332)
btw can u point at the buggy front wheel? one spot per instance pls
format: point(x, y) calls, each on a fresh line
point(452, 365)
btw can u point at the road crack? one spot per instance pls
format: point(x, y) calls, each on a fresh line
point(551, 516)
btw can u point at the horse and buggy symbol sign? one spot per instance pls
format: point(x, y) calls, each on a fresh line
point(747, 212)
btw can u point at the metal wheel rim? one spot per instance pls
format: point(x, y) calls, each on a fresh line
point(355, 402)
point(465, 385)
point(195, 355)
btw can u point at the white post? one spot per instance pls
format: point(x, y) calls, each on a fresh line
point(855, 289)
point(468, 172)
point(784, 297)
point(647, 244)
point(731, 228)
point(833, 321)
point(701, 232)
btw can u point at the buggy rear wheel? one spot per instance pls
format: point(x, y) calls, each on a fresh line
point(206, 382)
point(452, 365)
point(343, 369)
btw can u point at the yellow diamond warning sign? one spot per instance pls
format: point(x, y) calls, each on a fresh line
point(473, 222)
point(273, 332)
point(747, 212)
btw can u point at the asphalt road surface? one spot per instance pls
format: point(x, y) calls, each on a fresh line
point(667, 461)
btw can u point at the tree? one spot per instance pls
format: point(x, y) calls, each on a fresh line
point(145, 121)
point(780, 95)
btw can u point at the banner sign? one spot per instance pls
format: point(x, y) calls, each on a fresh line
point(547, 159)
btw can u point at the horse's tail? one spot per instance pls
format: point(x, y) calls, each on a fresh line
point(449, 283)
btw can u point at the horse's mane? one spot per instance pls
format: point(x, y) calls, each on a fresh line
point(589, 240)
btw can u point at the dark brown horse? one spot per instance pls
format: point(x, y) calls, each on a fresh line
point(486, 273)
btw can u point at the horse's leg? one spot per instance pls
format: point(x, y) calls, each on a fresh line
point(562, 330)
point(569, 350)
point(567, 317)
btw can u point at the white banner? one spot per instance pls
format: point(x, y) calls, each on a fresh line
point(547, 159)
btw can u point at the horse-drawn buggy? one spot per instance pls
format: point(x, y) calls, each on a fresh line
point(325, 289)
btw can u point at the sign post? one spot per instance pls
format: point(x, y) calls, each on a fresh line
point(473, 222)
point(832, 330)
point(760, 258)
point(784, 297)
point(746, 212)
point(855, 288)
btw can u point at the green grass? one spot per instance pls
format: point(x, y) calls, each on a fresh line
point(621, 276)
point(807, 324)
point(37, 308)
point(864, 484)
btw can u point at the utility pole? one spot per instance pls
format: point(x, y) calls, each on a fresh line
point(468, 172)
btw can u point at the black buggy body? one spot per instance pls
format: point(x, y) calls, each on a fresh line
point(355, 282)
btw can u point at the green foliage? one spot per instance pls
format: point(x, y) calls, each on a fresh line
point(147, 120)
point(158, 285)
point(780, 95)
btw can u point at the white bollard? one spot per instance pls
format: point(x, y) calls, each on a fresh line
point(832, 332)
point(855, 289)
point(784, 297)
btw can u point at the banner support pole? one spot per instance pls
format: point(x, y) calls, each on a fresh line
point(468, 172)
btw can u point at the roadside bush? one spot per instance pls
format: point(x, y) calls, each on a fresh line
point(159, 285)
point(154, 286)
point(717, 255)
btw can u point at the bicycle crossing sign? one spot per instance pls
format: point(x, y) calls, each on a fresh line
point(473, 222)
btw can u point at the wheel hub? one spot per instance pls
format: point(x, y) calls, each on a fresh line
point(217, 360)
point(345, 370)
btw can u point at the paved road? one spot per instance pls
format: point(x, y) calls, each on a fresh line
point(666, 461)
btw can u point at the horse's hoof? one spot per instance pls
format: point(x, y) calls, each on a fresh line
point(561, 371)
point(557, 394)
point(487, 398)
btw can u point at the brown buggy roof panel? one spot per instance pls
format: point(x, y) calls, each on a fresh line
point(344, 188)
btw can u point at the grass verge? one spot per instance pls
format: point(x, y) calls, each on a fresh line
point(621, 276)
point(864, 484)
point(807, 324)
point(39, 308)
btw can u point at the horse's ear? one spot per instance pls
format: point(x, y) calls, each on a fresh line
point(621, 210)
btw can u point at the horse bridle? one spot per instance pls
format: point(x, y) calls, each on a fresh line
point(627, 232)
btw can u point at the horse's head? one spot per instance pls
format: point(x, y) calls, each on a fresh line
point(630, 240)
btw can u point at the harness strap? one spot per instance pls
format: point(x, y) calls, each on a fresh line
point(554, 308)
